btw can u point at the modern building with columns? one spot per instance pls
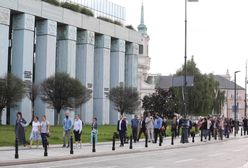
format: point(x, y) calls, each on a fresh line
point(38, 39)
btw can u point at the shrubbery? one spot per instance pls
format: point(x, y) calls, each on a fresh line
point(53, 2)
point(130, 27)
point(110, 20)
point(86, 11)
point(70, 6)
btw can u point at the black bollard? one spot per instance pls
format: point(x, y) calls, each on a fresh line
point(201, 135)
point(209, 135)
point(172, 138)
point(113, 146)
point(245, 131)
point(71, 146)
point(215, 135)
point(160, 140)
point(45, 148)
point(16, 149)
point(93, 143)
point(146, 141)
point(241, 132)
point(193, 138)
point(131, 142)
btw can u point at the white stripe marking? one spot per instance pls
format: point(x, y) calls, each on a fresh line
point(216, 154)
point(182, 161)
point(245, 165)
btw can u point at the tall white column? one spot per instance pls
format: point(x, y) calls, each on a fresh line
point(117, 71)
point(102, 78)
point(22, 58)
point(4, 44)
point(131, 67)
point(66, 50)
point(45, 61)
point(85, 69)
point(66, 54)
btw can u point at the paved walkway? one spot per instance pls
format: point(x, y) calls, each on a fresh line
point(56, 152)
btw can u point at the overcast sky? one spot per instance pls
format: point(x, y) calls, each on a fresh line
point(217, 34)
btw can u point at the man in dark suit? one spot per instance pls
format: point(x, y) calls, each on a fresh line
point(121, 128)
point(142, 128)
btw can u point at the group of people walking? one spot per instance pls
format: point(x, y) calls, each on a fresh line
point(219, 127)
point(151, 126)
point(41, 130)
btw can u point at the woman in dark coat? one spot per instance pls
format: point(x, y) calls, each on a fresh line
point(19, 129)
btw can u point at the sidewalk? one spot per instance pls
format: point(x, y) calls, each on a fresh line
point(56, 152)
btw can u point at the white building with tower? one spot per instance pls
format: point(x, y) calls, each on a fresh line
point(38, 39)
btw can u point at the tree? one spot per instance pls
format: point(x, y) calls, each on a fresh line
point(61, 92)
point(161, 101)
point(219, 100)
point(126, 99)
point(201, 97)
point(33, 92)
point(12, 90)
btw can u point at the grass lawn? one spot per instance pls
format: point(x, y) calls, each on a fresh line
point(105, 133)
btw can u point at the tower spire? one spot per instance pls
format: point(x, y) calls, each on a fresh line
point(142, 27)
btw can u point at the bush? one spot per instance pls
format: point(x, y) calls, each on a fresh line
point(110, 20)
point(118, 23)
point(105, 19)
point(86, 11)
point(53, 2)
point(130, 27)
point(71, 6)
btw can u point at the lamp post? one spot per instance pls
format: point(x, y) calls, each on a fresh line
point(185, 126)
point(184, 137)
point(246, 89)
point(235, 103)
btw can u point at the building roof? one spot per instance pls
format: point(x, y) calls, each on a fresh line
point(165, 82)
point(226, 84)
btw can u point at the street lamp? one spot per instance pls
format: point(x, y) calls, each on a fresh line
point(246, 89)
point(185, 126)
point(235, 104)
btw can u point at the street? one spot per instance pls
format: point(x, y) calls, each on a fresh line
point(227, 154)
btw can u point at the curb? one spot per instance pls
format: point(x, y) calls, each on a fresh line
point(111, 153)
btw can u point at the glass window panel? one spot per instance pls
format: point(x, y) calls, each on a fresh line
point(105, 6)
point(102, 6)
point(108, 7)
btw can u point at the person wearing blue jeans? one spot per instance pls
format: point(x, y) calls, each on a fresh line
point(94, 130)
point(67, 125)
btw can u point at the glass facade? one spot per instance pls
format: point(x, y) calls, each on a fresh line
point(103, 8)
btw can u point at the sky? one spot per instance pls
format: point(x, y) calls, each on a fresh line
point(217, 34)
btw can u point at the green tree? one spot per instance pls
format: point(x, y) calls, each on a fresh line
point(162, 101)
point(62, 92)
point(126, 99)
point(202, 97)
point(12, 90)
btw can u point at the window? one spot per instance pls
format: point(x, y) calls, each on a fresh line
point(140, 49)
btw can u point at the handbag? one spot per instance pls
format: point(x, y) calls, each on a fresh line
point(48, 135)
